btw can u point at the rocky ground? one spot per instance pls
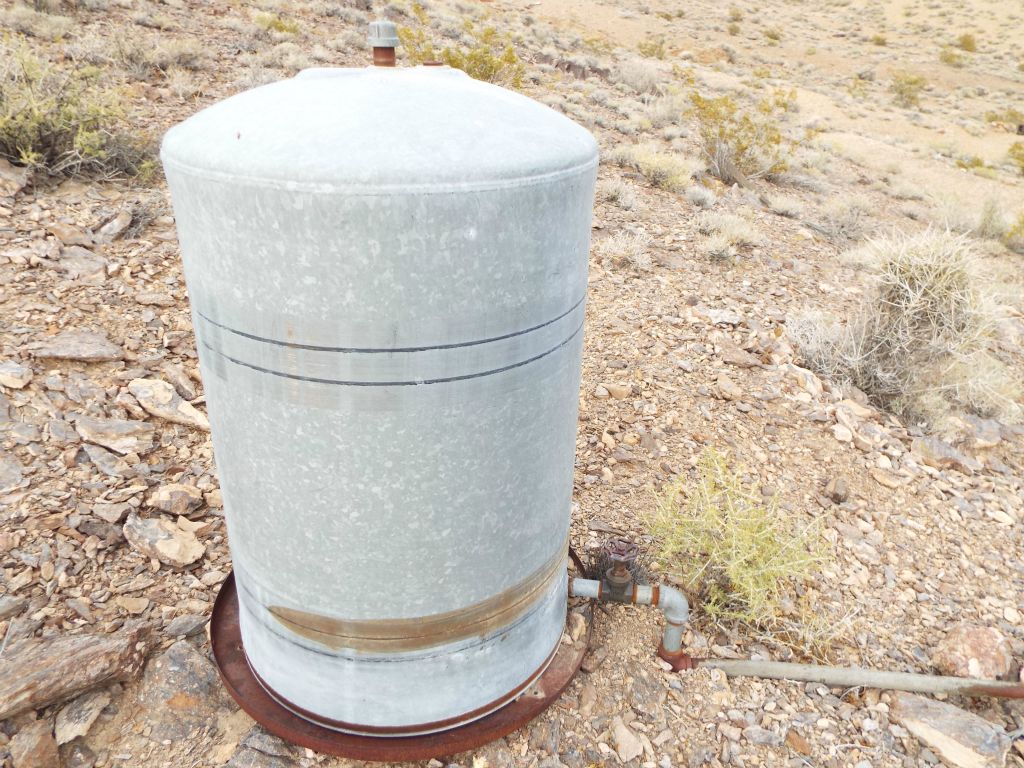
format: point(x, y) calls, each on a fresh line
point(110, 514)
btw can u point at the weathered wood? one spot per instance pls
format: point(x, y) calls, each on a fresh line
point(35, 673)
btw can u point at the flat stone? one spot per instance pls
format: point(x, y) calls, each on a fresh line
point(727, 388)
point(13, 178)
point(134, 605)
point(960, 738)
point(117, 434)
point(939, 454)
point(618, 391)
point(163, 541)
point(176, 498)
point(88, 346)
point(186, 626)
point(11, 473)
point(113, 227)
point(627, 743)
point(151, 299)
point(724, 317)
point(974, 652)
point(112, 513)
point(14, 375)
point(69, 234)
point(34, 747)
point(11, 606)
point(75, 719)
point(79, 262)
point(180, 693)
point(762, 736)
point(107, 462)
point(647, 697)
point(838, 489)
point(160, 399)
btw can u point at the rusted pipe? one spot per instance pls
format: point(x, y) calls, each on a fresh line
point(383, 39)
point(671, 601)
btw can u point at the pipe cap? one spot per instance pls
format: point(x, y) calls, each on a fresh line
point(383, 34)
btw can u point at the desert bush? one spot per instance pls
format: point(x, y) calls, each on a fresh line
point(29, 21)
point(906, 88)
point(774, 34)
point(272, 22)
point(737, 554)
point(949, 55)
point(740, 143)
point(879, 39)
point(735, 13)
point(63, 121)
point(967, 42)
point(919, 345)
point(664, 110)
point(735, 229)
point(640, 76)
point(626, 249)
point(617, 192)
point(701, 196)
point(733, 28)
point(666, 170)
point(1016, 155)
point(141, 57)
point(1014, 237)
point(488, 55)
point(843, 218)
point(653, 49)
point(787, 207)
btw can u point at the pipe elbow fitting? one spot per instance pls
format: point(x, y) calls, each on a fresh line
point(673, 604)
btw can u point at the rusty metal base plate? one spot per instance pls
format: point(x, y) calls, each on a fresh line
point(242, 684)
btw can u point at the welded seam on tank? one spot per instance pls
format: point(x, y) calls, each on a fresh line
point(410, 383)
point(375, 190)
point(382, 350)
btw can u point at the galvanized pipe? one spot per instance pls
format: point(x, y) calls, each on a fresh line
point(671, 601)
point(854, 677)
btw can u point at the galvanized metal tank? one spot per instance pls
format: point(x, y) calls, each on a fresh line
point(388, 271)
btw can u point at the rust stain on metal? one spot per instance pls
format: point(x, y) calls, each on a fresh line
point(655, 595)
point(399, 635)
point(239, 679)
point(383, 57)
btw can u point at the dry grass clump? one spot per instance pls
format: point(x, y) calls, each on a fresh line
point(486, 55)
point(640, 76)
point(743, 143)
point(1016, 155)
point(141, 57)
point(967, 42)
point(28, 21)
point(906, 88)
point(952, 57)
point(626, 249)
point(272, 22)
point(63, 121)
point(738, 554)
point(844, 219)
point(735, 229)
point(701, 196)
point(665, 170)
point(617, 192)
point(787, 207)
point(919, 345)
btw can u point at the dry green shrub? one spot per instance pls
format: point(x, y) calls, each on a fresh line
point(920, 344)
point(774, 34)
point(738, 554)
point(733, 28)
point(879, 39)
point(63, 121)
point(787, 207)
point(665, 170)
point(741, 144)
point(949, 55)
point(907, 87)
point(844, 219)
point(967, 42)
point(1016, 155)
point(701, 196)
point(641, 76)
point(628, 249)
point(735, 229)
point(28, 21)
point(142, 57)
point(272, 22)
point(653, 49)
point(1014, 237)
point(488, 55)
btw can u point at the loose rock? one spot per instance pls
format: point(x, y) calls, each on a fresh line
point(159, 398)
point(117, 434)
point(627, 743)
point(941, 455)
point(34, 747)
point(76, 718)
point(14, 375)
point(163, 541)
point(88, 346)
point(176, 498)
point(960, 738)
point(974, 652)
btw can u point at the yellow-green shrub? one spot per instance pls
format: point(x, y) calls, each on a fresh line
point(489, 56)
point(967, 42)
point(907, 88)
point(63, 120)
point(1016, 155)
point(743, 142)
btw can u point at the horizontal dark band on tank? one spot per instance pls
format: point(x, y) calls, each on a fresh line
point(413, 383)
point(380, 350)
